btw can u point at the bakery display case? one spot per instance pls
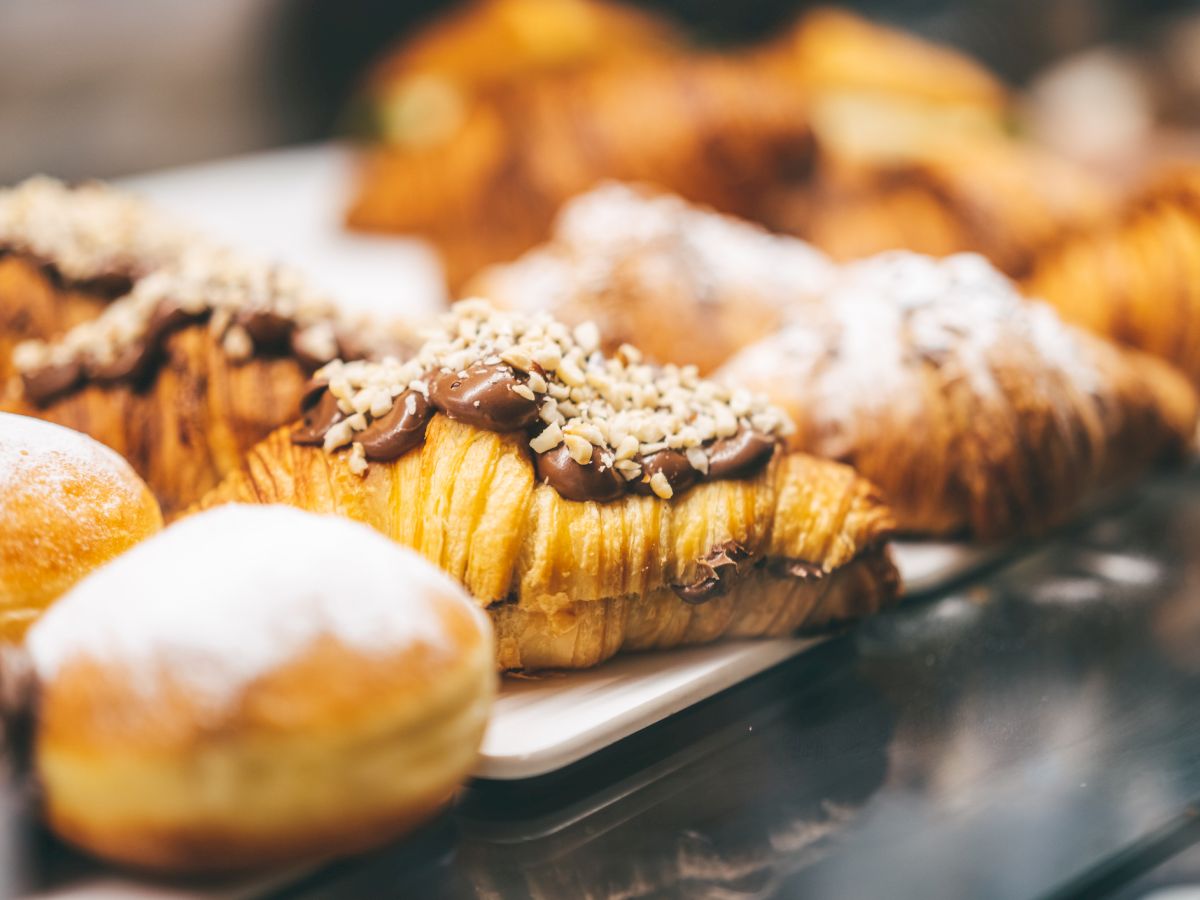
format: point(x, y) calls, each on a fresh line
point(618, 451)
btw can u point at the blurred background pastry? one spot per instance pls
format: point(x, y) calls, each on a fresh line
point(705, 127)
point(1135, 277)
point(67, 506)
point(203, 706)
point(683, 283)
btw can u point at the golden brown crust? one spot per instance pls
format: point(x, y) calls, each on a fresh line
point(467, 501)
point(1134, 279)
point(706, 128)
point(192, 424)
point(67, 506)
point(34, 304)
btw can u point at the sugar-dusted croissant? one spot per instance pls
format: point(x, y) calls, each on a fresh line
point(682, 283)
point(1135, 278)
point(591, 504)
point(974, 409)
point(66, 252)
point(188, 370)
point(940, 195)
point(707, 128)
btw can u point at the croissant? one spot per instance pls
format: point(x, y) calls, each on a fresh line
point(704, 127)
point(1134, 279)
point(65, 253)
point(592, 505)
point(974, 410)
point(940, 194)
point(187, 371)
point(682, 283)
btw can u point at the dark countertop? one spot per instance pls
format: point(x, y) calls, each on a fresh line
point(1033, 732)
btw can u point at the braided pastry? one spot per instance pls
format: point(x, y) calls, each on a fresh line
point(592, 505)
point(973, 409)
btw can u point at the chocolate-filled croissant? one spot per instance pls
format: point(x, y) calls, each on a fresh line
point(975, 410)
point(67, 252)
point(592, 504)
point(707, 128)
point(189, 369)
point(1136, 277)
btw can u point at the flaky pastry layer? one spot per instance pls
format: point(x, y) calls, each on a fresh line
point(569, 584)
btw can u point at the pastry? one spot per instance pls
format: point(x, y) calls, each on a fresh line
point(1135, 278)
point(683, 283)
point(833, 54)
point(592, 504)
point(67, 506)
point(940, 195)
point(66, 252)
point(192, 367)
point(252, 687)
point(974, 410)
point(420, 91)
point(705, 127)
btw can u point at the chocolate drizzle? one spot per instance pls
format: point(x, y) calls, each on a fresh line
point(598, 427)
point(715, 575)
point(483, 395)
point(320, 412)
point(597, 480)
point(739, 456)
point(402, 429)
point(673, 465)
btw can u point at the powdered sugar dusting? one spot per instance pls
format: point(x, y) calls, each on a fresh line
point(39, 460)
point(601, 230)
point(888, 317)
point(227, 596)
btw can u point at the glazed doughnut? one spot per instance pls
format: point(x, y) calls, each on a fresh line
point(67, 505)
point(254, 686)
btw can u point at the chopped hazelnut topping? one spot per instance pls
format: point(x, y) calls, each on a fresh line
point(616, 406)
